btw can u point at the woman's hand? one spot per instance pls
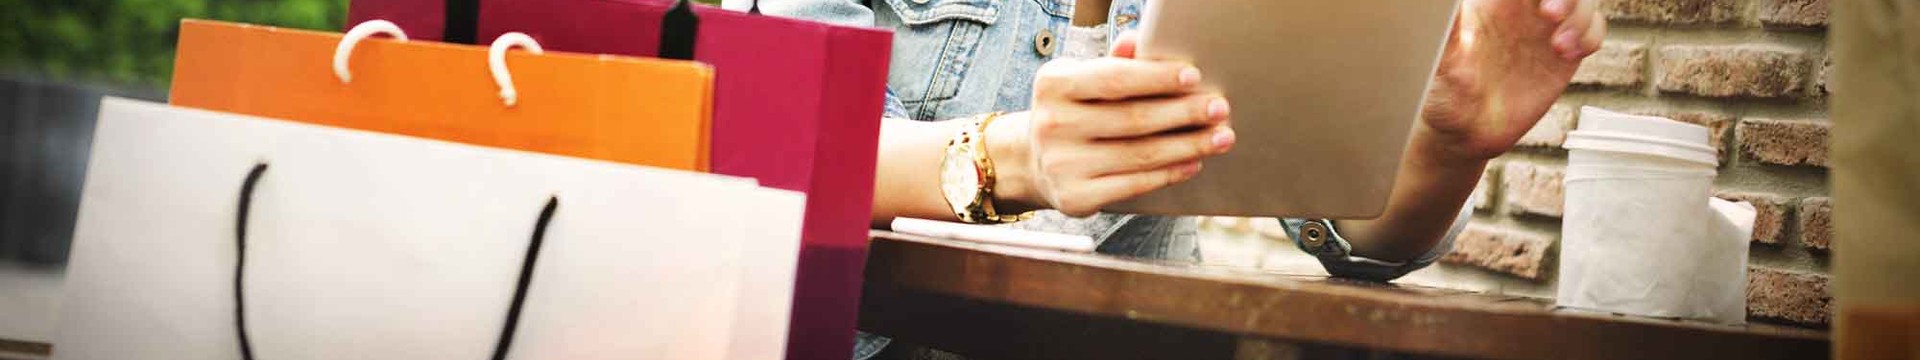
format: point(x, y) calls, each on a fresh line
point(1504, 65)
point(1105, 130)
point(1506, 62)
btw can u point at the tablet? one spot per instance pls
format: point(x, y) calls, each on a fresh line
point(1324, 96)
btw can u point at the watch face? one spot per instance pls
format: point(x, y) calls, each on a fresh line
point(959, 181)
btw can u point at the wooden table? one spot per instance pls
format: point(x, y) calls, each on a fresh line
point(999, 302)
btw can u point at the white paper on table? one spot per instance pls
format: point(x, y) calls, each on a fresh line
point(994, 234)
point(366, 245)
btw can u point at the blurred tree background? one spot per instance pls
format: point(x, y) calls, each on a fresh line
point(129, 42)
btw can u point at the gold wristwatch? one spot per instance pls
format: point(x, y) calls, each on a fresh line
point(967, 176)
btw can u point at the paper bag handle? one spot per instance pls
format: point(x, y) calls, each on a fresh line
point(353, 37)
point(240, 259)
point(462, 22)
point(678, 30)
point(497, 62)
point(526, 278)
point(500, 346)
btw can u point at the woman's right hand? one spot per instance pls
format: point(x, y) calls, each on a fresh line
point(1106, 130)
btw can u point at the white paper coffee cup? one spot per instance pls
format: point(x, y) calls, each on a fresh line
point(1639, 235)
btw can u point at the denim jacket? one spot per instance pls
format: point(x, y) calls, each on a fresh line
point(959, 58)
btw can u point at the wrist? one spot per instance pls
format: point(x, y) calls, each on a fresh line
point(1010, 149)
point(1429, 147)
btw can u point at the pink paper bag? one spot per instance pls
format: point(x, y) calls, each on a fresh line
point(797, 105)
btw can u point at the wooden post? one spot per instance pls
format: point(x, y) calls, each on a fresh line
point(1876, 178)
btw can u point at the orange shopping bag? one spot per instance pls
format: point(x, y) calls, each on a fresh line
point(631, 110)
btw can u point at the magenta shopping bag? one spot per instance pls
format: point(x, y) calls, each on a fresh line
point(797, 105)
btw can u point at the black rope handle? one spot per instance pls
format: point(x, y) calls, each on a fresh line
point(526, 278)
point(240, 265)
point(462, 22)
point(240, 261)
point(678, 30)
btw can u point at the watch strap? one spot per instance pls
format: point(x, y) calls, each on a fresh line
point(982, 210)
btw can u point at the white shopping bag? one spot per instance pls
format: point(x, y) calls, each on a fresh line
point(361, 245)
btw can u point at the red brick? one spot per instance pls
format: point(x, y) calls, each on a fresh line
point(1672, 11)
point(1783, 296)
point(1499, 249)
point(1532, 188)
point(1758, 71)
point(1552, 129)
point(1716, 123)
point(1784, 142)
point(1617, 64)
point(1772, 214)
point(1816, 222)
point(1794, 13)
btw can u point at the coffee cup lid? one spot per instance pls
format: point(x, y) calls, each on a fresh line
point(1605, 130)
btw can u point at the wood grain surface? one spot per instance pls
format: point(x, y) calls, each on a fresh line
point(995, 301)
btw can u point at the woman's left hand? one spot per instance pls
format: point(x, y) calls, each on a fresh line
point(1505, 63)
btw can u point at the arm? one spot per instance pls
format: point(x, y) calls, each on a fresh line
point(1081, 148)
point(1099, 132)
point(1472, 114)
point(1428, 193)
point(908, 170)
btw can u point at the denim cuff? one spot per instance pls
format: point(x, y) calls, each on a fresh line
point(866, 345)
point(894, 108)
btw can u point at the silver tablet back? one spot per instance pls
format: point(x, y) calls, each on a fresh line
point(1324, 95)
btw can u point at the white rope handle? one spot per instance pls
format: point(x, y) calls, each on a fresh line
point(497, 62)
point(353, 37)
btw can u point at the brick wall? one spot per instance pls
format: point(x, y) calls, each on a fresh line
point(1755, 73)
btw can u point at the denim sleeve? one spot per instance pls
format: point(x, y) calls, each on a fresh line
point(1354, 267)
point(895, 108)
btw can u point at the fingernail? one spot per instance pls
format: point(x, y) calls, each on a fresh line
point(1217, 109)
point(1189, 77)
point(1565, 42)
point(1223, 139)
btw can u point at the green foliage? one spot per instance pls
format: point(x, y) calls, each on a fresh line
point(130, 42)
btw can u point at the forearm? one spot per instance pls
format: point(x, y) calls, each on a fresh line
point(1433, 183)
point(907, 179)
